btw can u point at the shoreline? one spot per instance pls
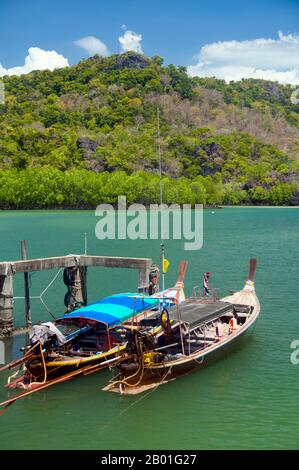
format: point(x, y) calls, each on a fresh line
point(69, 209)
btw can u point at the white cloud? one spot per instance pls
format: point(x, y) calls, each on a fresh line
point(37, 59)
point(92, 45)
point(130, 41)
point(269, 59)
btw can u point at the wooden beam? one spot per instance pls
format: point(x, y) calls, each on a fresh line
point(114, 262)
point(41, 264)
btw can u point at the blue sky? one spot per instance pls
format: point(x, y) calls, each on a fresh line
point(174, 29)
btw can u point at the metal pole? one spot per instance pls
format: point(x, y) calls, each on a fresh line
point(162, 263)
point(26, 283)
point(161, 198)
point(180, 324)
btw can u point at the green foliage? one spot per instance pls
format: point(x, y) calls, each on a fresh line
point(259, 194)
point(281, 194)
point(52, 188)
point(234, 195)
point(256, 94)
point(180, 81)
point(111, 103)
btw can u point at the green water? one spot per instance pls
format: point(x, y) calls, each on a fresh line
point(247, 399)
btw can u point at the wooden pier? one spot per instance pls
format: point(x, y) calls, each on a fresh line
point(77, 266)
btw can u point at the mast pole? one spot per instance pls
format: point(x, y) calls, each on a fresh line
point(161, 198)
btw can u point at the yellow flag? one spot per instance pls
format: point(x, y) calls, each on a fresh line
point(165, 265)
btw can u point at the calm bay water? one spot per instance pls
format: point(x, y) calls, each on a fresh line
point(246, 399)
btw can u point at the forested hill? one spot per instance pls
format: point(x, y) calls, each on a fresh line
point(81, 135)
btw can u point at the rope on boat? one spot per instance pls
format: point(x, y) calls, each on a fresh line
point(13, 376)
point(25, 357)
point(44, 363)
point(139, 399)
point(147, 394)
point(40, 297)
point(140, 368)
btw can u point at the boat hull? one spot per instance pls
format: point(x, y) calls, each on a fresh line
point(215, 351)
point(55, 369)
point(155, 374)
point(174, 369)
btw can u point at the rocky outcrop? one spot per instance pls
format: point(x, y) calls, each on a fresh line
point(131, 60)
point(210, 158)
point(87, 145)
point(290, 178)
point(127, 60)
point(273, 91)
point(295, 198)
point(212, 149)
point(88, 148)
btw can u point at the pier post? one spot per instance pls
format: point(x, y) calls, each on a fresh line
point(80, 291)
point(6, 304)
point(26, 284)
point(81, 284)
point(144, 273)
point(83, 276)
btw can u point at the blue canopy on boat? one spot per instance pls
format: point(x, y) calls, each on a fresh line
point(115, 309)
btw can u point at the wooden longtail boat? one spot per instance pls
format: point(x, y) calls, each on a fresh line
point(193, 331)
point(86, 340)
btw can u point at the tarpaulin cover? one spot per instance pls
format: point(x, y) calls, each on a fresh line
point(115, 309)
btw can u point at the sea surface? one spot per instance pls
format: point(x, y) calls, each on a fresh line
point(246, 399)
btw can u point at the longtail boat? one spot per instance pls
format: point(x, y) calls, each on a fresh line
point(193, 331)
point(87, 339)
